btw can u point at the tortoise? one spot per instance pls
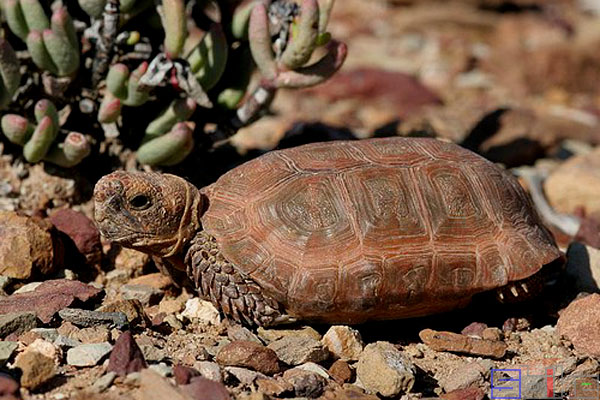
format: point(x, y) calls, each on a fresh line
point(337, 232)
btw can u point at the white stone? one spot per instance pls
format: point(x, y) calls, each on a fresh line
point(201, 310)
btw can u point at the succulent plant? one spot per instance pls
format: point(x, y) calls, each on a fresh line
point(204, 57)
point(9, 73)
point(52, 43)
point(39, 141)
point(122, 88)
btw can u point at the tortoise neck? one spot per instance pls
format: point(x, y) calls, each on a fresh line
point(190, 223)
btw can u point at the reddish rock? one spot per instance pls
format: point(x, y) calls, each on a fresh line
point(81, 230)
point(474, 329)
point(28, 246)
point(465, 394)
point(403, 91)
point(48, 298)
point(340, 371)
point(183, 375)
point(448, 341)
point(580, 323)
point(126, 356)
point(248, 354)
point(201, 388)
point(9, 387)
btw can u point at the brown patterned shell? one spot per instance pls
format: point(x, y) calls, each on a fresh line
point(379, 228)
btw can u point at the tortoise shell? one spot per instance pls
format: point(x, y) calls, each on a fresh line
point(374, 229)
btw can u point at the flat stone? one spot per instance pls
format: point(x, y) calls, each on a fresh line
point(201, 388)
point(16, 323)
point(245, 376)
point(343, 342)
point(580, 323)
point(238, 332)
point(209, 370)
point(201, 311)
point(454, 342)
point(305, 383)
point(126, 356)
point(247, 354)
point(28, 287)
point(583, 267)
point(145, 294)
point(103, 383)
point(87, 318)
point(65, 342)
point(88, 355)
point(270, 335)
point(296, 350)
point(383, 369)
point(7, 349)
point(36, 369)
point(133, 309)
point(48, 298)
point(49, 334)
point(472, 393)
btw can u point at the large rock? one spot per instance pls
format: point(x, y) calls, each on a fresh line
point(580, 323)
point(383, 369)
point(88, 355)
point(36, 368)
point(81, 230)
point(296, 350)
point(126, 356)
point(344, 342)
point(576, 183)
point(28, 246)
point(248, 354)
point(48, 298)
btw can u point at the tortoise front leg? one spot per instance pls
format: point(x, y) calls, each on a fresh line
point(218, 281)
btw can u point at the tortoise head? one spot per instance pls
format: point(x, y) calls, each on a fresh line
point(151, 212)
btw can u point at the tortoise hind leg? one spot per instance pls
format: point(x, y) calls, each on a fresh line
point(219, 281)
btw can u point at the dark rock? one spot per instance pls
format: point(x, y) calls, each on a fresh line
point(81, 230)
point(87, 318)
point(48, 298)
point(183, 375)
point(16, 323)
point(305, 383)
point(9, 387)
point(126, 356)
point(201, 388)
point(248, 354)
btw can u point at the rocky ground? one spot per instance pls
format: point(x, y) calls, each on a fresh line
point(516, 81)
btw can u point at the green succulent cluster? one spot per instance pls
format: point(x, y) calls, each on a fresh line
point(208, 61)
point(39, 140)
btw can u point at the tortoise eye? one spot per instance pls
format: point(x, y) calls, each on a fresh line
point(140, 202)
